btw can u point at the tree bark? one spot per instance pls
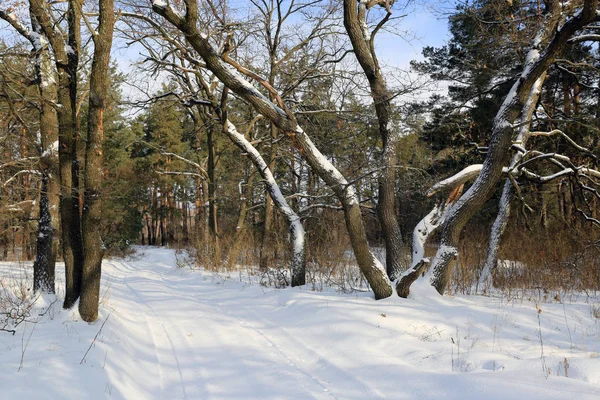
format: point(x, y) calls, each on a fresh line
point(538, 61)
point(362, 44)
point(94, 171)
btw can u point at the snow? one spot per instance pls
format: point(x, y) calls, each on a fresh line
point(159, 3)
point(468, 173)
point(173, 333)
point(428, 224)
point(51, 150)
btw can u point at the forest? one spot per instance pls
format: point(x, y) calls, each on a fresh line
point(270, 134)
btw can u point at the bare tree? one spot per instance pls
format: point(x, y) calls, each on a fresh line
point(550, 41)
point(232, 76)
point(196, 81)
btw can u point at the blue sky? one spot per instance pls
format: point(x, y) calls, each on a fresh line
point(424, 29)
point(422, 26)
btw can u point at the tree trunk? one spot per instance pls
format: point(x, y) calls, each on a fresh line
point(266, 240)
point(508, 192)
point(372, 269)
point(240, 228)
point(296, 228)
point(94, 171)
point(47, 240)
point(213, 225)
point(355, 22)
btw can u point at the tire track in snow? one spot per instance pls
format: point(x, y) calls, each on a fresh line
point(291, 342)
point(119, 282)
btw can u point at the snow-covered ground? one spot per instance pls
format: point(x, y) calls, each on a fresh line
point(171, 333)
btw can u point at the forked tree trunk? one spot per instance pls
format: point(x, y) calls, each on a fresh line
point(355, 22)
point(67, 149)
point(547, 45)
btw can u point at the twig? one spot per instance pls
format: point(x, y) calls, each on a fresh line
point(94, 341)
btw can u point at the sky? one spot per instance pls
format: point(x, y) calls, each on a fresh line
point(421, 25)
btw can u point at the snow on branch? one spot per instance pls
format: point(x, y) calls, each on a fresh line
point(564, 135)
point(23, 207)
point(469, 173)
point(577, 172)
point(25, 171)
point(585, 38)
point(12, 19)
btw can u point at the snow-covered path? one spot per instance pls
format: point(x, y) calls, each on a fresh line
point(209, 346)
point(170, 333)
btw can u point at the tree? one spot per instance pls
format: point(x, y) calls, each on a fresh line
point(362, 39)
point(92, 212)
point(550, 41)
point(285, 120)
point(47, 244)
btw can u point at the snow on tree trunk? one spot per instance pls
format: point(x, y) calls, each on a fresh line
point(47, 243)
point(296, 228)
point(428, 225)
point(368, 263)
point(549, 43)
point(355, 23)
point(485, 276)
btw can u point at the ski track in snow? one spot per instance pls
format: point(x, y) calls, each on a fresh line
point(253, 337)
point(177, 334)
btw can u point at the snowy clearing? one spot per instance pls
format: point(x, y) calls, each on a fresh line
point(171, 333)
